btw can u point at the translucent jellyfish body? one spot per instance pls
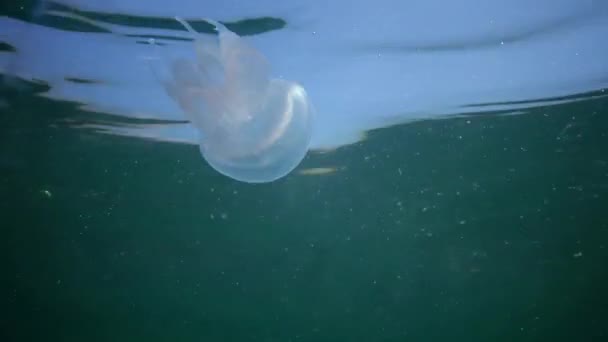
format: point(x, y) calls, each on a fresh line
point(253, 128)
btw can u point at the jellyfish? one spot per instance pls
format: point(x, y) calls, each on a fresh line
point(252, 128)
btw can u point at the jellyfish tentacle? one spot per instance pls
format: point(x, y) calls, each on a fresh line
point(186, 25)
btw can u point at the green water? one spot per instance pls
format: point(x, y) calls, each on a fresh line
point(472, 229)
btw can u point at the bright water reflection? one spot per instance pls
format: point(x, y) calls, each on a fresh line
point(366, 67)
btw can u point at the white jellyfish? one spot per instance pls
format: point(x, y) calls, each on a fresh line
point(253, 128)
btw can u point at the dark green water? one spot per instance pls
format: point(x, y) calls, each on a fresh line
point(472, 229)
